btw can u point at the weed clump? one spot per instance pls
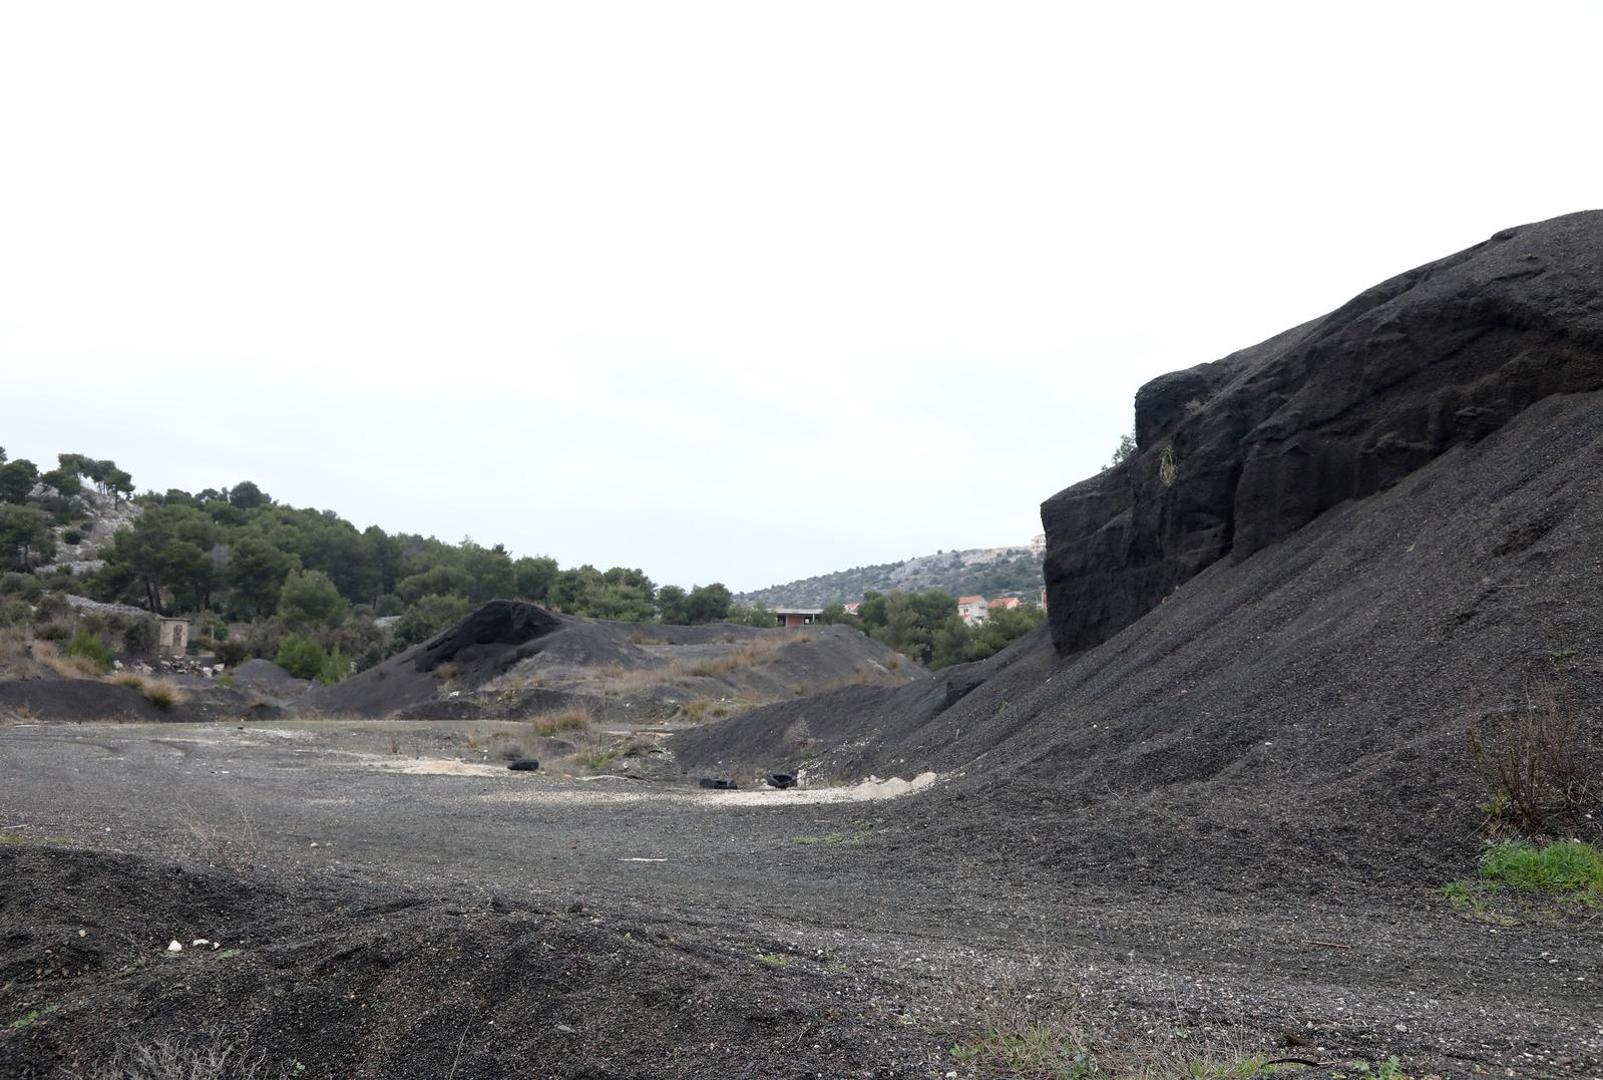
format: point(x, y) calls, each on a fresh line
point(88, 646)
point(548, 724)
point(163, 695)
point(1535, 761)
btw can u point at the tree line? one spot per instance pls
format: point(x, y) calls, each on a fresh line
point(927, 627)
point(260, 572)
point(306, 587)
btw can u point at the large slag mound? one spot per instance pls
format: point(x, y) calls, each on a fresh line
point(509, 659)
point(1272, 626)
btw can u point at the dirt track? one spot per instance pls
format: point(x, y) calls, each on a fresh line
point(878, 958)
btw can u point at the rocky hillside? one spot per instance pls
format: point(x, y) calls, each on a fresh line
point(989, 572)
point(1270, 630)
point(1239, 454)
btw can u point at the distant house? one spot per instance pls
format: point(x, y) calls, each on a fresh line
point(851, 608)
point(797, 616)
point(1004, 603)
point(973, 609)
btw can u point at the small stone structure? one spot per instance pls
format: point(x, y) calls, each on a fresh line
point(797, 616)
point(173, 639)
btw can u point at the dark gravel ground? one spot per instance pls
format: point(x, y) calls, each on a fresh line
point(385, 920)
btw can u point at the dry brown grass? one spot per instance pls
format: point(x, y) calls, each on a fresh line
point(751, 654)
point(551, 723)
point(24, 654)
point(525, 741)
point(617, 679)
point(159, 692)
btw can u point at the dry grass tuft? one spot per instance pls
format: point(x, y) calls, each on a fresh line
point(751, 654)
point(51, 659)
point(163, 694)
point(159, 692)
point(196, 1059)
point(551, 723)
point(24, 654)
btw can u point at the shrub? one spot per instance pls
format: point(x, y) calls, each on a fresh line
point(88, 645)
point(301, 657)
point(24, 585)
point(57, 631)
point(1534, 759)
point(429, 616)
point(72, 537)
point(15, 612)
point(335, 667)
point(231, 651)
point(139, 637)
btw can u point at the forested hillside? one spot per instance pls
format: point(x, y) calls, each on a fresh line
point(988, 572)
point(305, 587)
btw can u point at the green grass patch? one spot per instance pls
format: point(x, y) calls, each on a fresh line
point(32, 1016)
point(773, 960)
point(1044, 1051)
point(1568, 867)
point(1527, 879)
point(18, 838)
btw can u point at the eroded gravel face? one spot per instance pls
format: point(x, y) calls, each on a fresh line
point(384, 920)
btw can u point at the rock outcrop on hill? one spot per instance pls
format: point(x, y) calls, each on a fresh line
point(1409, 493)
point(1238, 454)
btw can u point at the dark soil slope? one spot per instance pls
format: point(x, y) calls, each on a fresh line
point(379, 984)
point(83, 700)
point(1293, 717)
point(479, 648)
point(1239, 454)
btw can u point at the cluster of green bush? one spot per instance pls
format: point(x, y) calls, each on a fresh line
point(305, 587)
point(262, 578)
point(927, 627)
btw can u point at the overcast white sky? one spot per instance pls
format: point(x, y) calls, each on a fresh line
point(738, 291)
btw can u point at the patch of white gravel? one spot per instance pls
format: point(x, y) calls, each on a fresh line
point(869, 790)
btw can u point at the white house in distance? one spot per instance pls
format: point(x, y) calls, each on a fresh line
point(973, 609)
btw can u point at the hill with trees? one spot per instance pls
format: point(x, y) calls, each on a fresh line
point(306, 587)
point(988, 572)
